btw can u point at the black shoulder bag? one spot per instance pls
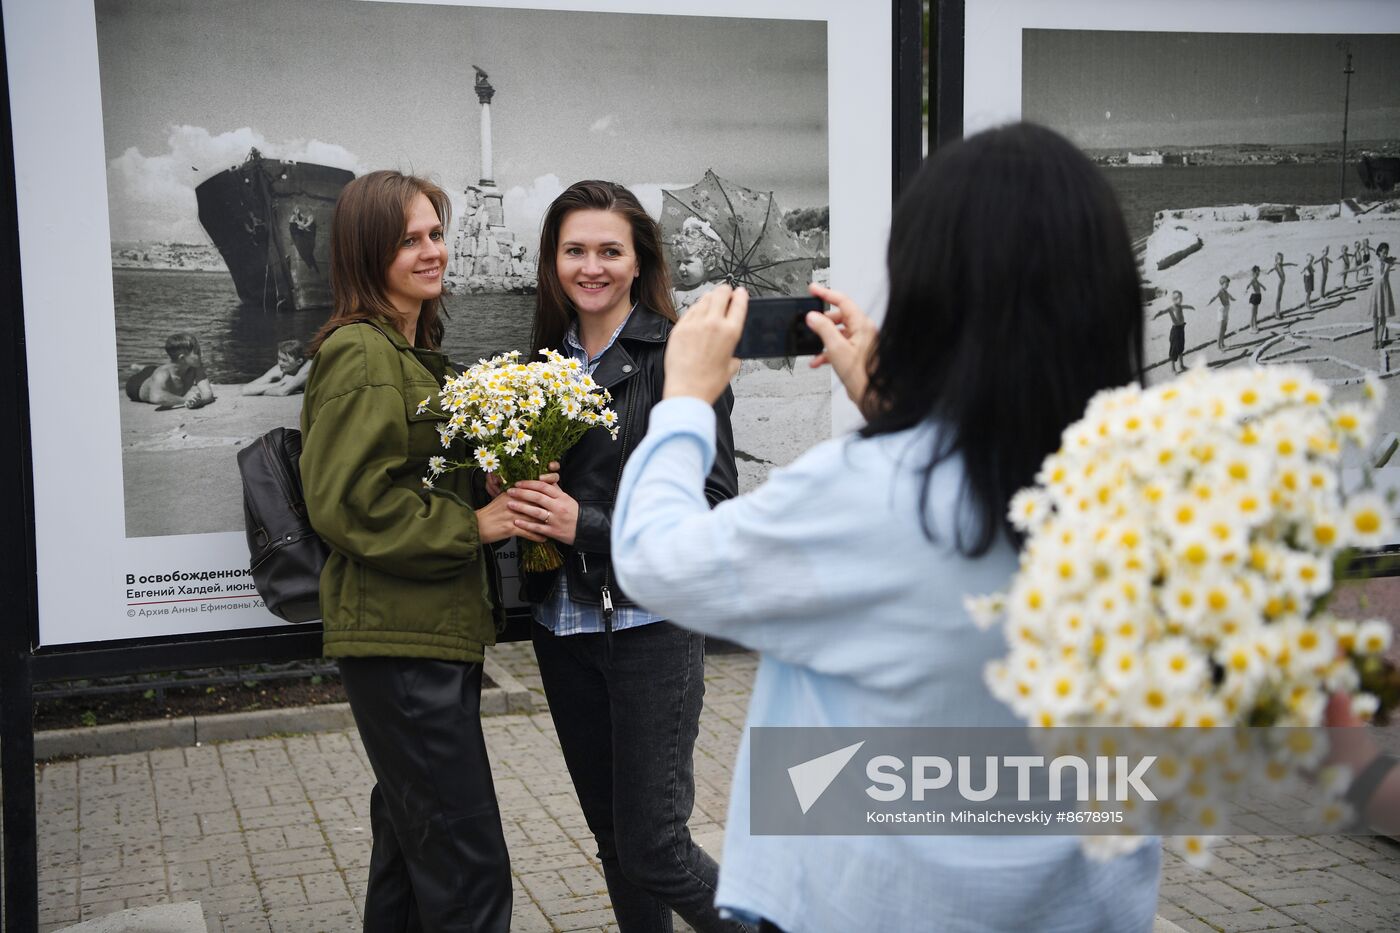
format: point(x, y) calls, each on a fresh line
point(286, 554)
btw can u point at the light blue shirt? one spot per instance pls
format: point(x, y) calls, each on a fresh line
point(826, 570)
point(558, 613)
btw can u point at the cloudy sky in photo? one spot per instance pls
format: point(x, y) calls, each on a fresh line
point(1139, 89)
point(650, 101)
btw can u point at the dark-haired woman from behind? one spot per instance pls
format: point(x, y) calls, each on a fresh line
point(624, 685)
point(1013, 298)
point(404, 593)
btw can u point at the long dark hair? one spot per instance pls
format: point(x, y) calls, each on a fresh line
point(1014, 297)
point(367, 227)
point(652, 288)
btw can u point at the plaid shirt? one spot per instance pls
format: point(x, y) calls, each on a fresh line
point(560, 614)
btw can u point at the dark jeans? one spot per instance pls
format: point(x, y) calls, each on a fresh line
point(439, 861)
point(627, 718)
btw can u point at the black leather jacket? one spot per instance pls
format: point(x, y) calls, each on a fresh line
point(632, 369)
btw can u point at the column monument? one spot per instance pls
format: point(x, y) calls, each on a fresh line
point(485, 256)
point(490, 194)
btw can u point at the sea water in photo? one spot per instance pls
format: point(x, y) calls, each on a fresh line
point(1145, 190)
point(238, 343)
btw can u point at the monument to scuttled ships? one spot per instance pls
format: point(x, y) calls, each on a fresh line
point(270, 219)
point(484, 255)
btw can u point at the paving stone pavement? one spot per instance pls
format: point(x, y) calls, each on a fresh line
point(271, 835)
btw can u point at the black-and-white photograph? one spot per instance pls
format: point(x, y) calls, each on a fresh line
point(1258, 175)
point(230, 129)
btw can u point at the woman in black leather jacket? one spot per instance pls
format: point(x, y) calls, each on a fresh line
point(624, 686)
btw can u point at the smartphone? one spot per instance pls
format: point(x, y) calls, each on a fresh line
point(777, 327)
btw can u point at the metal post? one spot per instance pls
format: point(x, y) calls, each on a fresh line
point(21, 876)
point(1346, 113)
point(19, 631)
point(908, 88)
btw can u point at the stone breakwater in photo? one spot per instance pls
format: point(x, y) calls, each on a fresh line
point(520, 281)
point(183, 257)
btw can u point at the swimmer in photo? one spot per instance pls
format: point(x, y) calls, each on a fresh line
point(1278, 268)
point(1224, 297)
point(287, 376)
point(1176, 350)
point(180, 383)
point(1256, 290)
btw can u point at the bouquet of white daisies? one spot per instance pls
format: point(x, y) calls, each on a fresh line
point(518, 417)
point(1180, 550)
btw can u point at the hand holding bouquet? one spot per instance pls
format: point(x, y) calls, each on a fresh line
point(519, 417)
point(1181, 547)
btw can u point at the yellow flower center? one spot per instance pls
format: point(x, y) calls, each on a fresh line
point(1367, 522)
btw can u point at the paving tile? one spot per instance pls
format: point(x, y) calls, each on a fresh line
point(1314, 917)
point(1292, 896)
point(587, 920)
point(250, 922)
point(1227, 896)
point(230, 899)
point(1263, 918)
point(282, 892)
point(324, 887)
point(317, 918)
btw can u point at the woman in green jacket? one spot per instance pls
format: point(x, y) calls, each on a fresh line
point(405, 593)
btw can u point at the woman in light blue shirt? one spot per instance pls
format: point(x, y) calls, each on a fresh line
point(1013, 298)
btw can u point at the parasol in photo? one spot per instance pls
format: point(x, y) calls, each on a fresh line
point(717, 231)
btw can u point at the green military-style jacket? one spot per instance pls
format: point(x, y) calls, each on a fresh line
point(407, 574)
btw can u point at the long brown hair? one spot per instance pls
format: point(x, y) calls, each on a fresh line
point(367, 228)
point(651, 289)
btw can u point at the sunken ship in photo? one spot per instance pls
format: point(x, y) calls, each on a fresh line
point(270, 220)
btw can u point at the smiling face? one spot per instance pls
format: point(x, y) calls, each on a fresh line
point(415, 273)
point(597, 263)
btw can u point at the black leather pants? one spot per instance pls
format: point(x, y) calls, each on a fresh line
point(439, 863)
